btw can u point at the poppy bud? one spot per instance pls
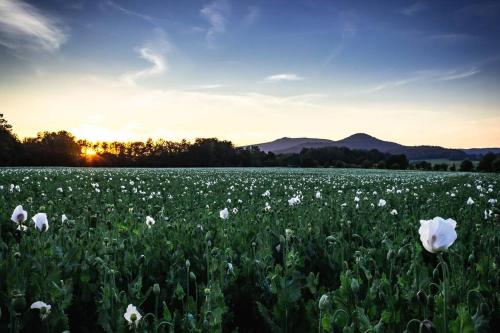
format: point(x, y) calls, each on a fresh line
point(390, 254)
point(93, 221)
point(18, 302)
point(188, 264)
point(435, 273)
point(282, 239)
point(324, 301)
point(422, 297)
point(427, 325)
point(192, 276)
point(354, 285)
point(156, 289)
point(471, 258)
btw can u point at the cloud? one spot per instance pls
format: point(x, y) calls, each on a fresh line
point(155, 53)
point(452, 37)
point(457, 75)
point(425, 76)
point(216, 14)
point(210, 86)
point(252, 15)
point(415, 8)
point(23, 27)
point(284, 77)
point(348, 29)
point(126, 11)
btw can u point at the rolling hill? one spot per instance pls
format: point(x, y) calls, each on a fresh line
point(364, 141)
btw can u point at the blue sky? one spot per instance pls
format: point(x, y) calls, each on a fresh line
point(416, 72)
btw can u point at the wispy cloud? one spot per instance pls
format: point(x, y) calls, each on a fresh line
point(414, 9)
point(348, 30)
point(457, 75)
point(129, 12)
point(24, 27)
point(252, 15)
point(209, 86)
point(154, 52)
point(424, 76)
point(452, 37)
point(216, 14)
point(284, 77)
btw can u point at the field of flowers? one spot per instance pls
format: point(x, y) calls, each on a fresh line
point(248, 250)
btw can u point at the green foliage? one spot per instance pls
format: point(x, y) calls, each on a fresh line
point(266, 268)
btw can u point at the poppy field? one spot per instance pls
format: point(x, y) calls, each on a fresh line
point(248, 250)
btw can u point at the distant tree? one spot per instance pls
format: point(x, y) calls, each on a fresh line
point(485, 164)
point(9, 145)
point(52, 148)
point(466, 165)
point(495, 166)
point(397, 162)
point(453, 167)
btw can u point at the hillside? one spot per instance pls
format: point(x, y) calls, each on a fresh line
point(364, 141)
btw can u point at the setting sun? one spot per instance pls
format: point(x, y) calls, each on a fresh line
point(88, 152)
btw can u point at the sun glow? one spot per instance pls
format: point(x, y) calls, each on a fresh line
point(88, 152)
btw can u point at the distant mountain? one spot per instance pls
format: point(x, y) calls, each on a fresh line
point(364, 141)
point(481, 151)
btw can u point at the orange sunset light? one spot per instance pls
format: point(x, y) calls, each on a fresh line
point(88, 152)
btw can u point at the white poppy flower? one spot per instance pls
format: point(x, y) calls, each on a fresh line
point(64, 218)
point(437, 234)
point(43, 307)
point(150, 221)
point(394, 212)
point(470, 201)
point(132, 315)
point(294, 201)
point(318, 195)
point(382, 203)
point(19, 215)
point(41, 222)
point(224, 214)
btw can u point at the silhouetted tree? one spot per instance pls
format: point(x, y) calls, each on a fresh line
point(486, 162)
point(9, 145)
point(495, 165)
point(466, 165)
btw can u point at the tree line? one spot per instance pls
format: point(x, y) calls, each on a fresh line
point(63, 149)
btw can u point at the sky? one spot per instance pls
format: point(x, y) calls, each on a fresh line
point(413, 72)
